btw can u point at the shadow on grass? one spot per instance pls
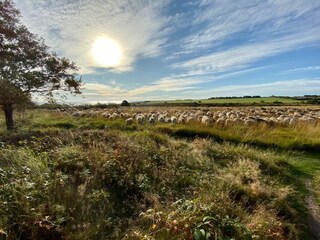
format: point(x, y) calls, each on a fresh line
point(185, 132)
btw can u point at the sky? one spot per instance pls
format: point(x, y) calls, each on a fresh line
point(174, 49)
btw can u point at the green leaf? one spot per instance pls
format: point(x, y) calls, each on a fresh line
point(198, 235)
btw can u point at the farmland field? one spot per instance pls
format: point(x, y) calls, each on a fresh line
point(93, 174)
point(225, 101)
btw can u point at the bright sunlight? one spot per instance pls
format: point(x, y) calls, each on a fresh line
point(106, 52)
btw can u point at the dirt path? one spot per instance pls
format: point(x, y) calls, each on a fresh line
point(314, 218)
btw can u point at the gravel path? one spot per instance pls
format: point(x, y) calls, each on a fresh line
point(314, 218)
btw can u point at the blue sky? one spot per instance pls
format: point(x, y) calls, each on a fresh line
point(175, 49)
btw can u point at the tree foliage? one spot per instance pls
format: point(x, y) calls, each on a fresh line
point(27, 66)
point(125, 103)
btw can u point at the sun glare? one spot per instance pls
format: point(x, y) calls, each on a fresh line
point(106, 52)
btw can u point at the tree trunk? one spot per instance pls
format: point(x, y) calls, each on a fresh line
point(8, 112)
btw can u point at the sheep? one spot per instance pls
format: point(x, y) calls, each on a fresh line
point(309, 120)
point(297, 114)
point(206, 120)
point(286, 119)
point(161, 118)
point(249, 121)
point(198, 113)
point(129, 121)
point(221, 115)
point(232, 116)
point(209, 114)
point(229, 121)
point(181, 120)
point(76, 114)
point(237, 120)
point(221, 121)
point(152, 120)
point(190, 119)
point(114, 116)
point(273, 119)
point(167, 120)
point(293, 121)
point(173, 119)
point(106, 114)
point(140, 119)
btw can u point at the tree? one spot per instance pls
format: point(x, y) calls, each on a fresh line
point(27, 66)
point(125, 103)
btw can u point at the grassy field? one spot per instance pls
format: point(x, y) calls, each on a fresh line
point(240, 101)
point(92, 178)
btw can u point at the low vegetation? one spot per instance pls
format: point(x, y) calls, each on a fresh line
point(227, 102)
point(91, 178)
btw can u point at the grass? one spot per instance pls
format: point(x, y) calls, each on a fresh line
point(226, 101)
point(300, 137)
point(92, 178)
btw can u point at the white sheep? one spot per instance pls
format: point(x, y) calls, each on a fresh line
point(249, 121)
point(206, 120)
point(221, 121)
point(161, 118)
point(152, 120)
point(181, 120)
point(167, 120)
point(294, 121)
point(173, 119)
point(190, 119)
point(140, 119)
point(129, 121)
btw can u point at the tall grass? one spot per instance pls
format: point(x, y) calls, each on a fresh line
point(90, 178)
point(300, 137)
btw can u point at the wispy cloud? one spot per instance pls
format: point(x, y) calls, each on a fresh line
point(232, 36)
point(219, 21)
point(163, 85)
point(175, 83)
point(303, 69)
point(294, 87)
point(103, 89)
point(242, 56)
point(70, 27)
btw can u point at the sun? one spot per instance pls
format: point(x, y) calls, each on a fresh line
point(106, 52)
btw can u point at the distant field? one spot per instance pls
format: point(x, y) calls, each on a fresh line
point(245, 101)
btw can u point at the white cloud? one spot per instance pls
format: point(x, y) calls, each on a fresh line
point(103, 89)
point(242, 56)
point(288, 87)
point(230, 36)
point(267, 19)
point(174, 84)
point(116, 91)
point(103, 93)
point(70, 27)
point(303, 69)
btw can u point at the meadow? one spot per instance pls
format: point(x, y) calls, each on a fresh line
point(227, 101)
point(66, 177)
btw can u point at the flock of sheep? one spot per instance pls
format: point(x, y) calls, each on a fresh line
point(207, 116)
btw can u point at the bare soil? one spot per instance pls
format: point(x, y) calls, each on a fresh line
point(314, 211)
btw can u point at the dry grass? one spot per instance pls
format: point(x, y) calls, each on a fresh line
point(66, 178)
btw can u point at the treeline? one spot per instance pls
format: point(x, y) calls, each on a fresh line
point(256, 96)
